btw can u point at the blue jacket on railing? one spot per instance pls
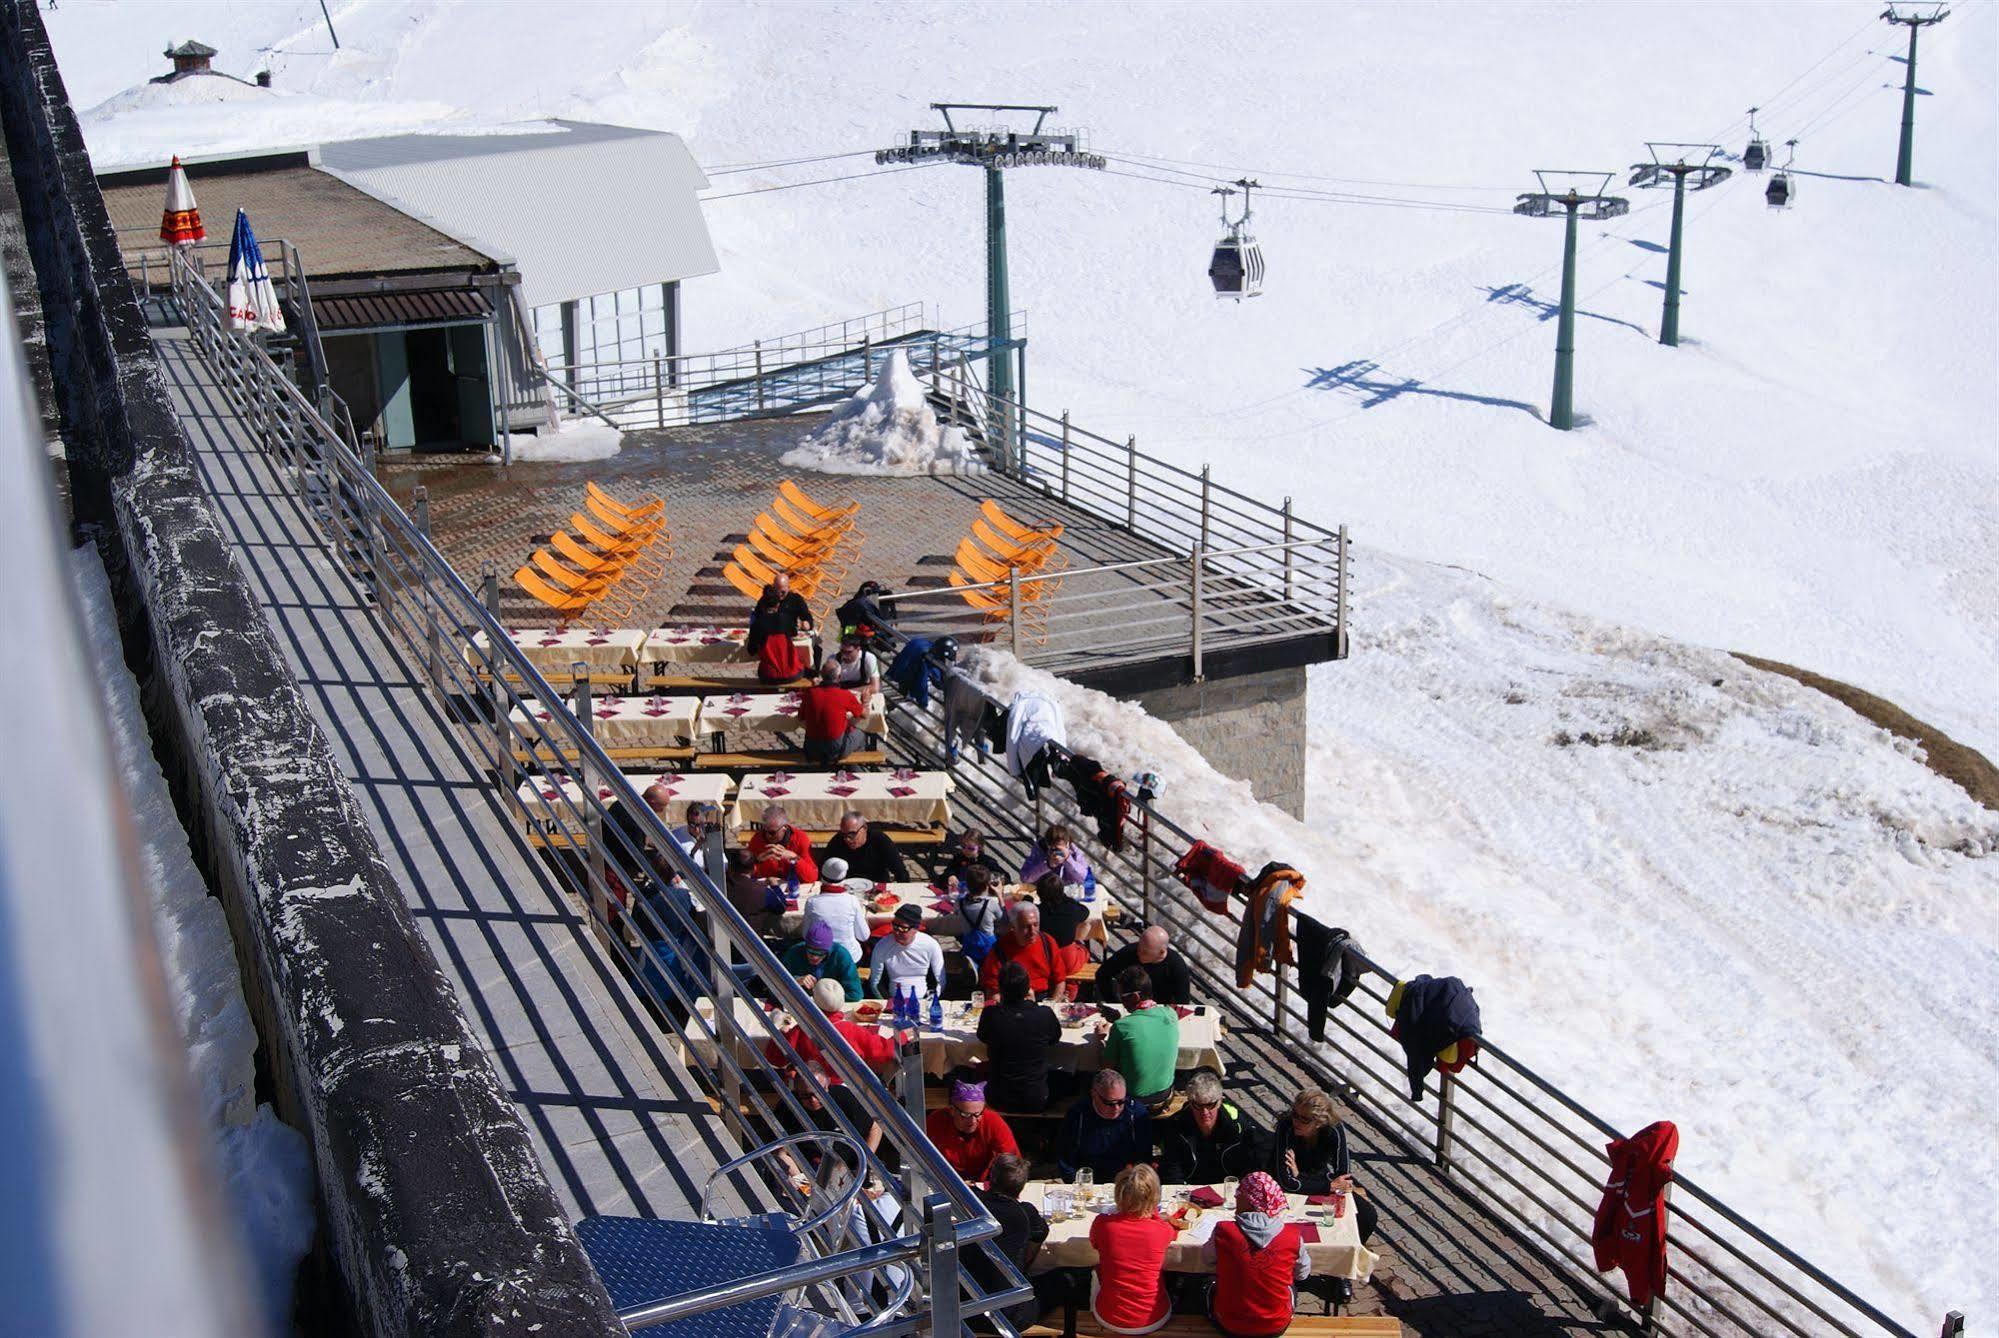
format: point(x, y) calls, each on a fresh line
point(913, 672)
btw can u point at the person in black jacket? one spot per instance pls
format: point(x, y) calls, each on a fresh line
point(869, 853)
point(781, 611)
point(1210, 1139)
point(1308, 1155)
point(1153, 950)
point(1062, 916)
point(1017, 1032)
point(970, 851)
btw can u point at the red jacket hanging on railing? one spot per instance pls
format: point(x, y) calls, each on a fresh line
point(1213, 876)
point(1630, 1231)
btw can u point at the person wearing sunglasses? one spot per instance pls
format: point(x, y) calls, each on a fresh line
point(1106, 1133)
point(906, 957)
point(1210, 1138)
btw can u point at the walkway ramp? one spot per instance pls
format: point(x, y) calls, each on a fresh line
point(619, 1125)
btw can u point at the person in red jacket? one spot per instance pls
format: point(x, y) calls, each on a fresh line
point(1036, 952)
point(1630, 1230)
point(968, 1134)
point(877, 1051)
point(781, 850)
point(1128, 1294)
point(1258, 1260)
point(829, 715)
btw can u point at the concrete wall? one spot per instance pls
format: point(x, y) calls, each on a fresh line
point(434, 1212)
point(1251, 727)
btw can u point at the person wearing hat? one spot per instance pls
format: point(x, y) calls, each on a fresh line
point(967, 1133)
point(818, 958)
point(906, 956)
point(1258, 1259)
point(837, 905)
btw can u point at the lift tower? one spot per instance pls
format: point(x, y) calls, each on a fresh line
point(1915, 17)
point(1655, 175)
point(995, 148)
point(1575, 204)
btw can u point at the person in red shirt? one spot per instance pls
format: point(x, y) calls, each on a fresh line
point(1128, 1294)
point(1036, 952)
point(780, 850)
point(1258, 1260)
point(828, 712)
point(968, 1134)
point(877, 1051)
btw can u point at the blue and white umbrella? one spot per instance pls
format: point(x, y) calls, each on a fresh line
point(253, 301)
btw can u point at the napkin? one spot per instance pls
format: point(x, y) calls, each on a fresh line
point(1205, 1197)
point(775, 789)
point(1316, 1199)
point(842, 790)
point(900, 791)
point(1183, 1010)
point(1308, 1232)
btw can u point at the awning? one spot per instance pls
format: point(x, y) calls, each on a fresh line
point(401, 310)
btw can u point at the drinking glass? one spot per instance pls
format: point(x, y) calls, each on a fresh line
point(978, 1002)
point(1086, 1180)
point(1228, 1194)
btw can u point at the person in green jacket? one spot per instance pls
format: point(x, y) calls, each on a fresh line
point(1144, 1044)
point(820, 958)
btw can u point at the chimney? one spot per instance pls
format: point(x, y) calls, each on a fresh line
point(263, 78)
point(190, 57)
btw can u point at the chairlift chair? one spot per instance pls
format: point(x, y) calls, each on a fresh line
point(1757, 156)
point(1782, 192)
point(1236, 268)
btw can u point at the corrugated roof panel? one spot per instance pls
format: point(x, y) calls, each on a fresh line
point(586, 209)
point(377, 311)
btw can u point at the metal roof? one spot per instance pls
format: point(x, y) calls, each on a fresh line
point(580, 208)
point(398, 310)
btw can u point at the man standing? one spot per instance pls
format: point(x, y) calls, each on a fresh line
point(868, 852)
point(829, 715)
point(1105, 1133)
point(1154, 951)
point(906, 957)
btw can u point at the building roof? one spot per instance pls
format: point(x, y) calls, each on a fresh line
point(580, 208)
point(399, 310)
point(340, 231)
point(191, 48)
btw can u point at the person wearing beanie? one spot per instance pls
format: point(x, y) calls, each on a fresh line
point(1258, 1259)
point(906, 956)
point(819, 958)
point(968, 1133)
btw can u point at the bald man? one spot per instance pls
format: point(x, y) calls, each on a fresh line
point(1153, 950)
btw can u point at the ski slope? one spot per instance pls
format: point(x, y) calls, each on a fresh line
point(1778, 928)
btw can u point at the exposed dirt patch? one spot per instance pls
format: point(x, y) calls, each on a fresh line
point(1967, 767)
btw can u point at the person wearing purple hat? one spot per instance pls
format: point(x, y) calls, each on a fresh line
point(819, 958)
point(968, 1134)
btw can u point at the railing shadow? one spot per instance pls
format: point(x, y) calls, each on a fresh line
point(1364, 378)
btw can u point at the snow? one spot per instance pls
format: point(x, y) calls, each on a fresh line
point(265, 1164)
point(1777, 923)
point(886, 428)
point(576, 440)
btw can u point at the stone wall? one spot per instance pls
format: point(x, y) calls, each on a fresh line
point(434, 1211)
point(1251, 726)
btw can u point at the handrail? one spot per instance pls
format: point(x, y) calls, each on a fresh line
point(1754, 1295)
point(466, 651)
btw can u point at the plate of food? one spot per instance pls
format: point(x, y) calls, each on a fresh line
point(887, 901)
point(1078, 1012)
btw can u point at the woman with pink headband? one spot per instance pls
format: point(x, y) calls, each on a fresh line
point(1258, 1260)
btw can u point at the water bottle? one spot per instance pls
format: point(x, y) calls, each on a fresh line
point(905, 1006)
point(936, 1011)
point(791, 889)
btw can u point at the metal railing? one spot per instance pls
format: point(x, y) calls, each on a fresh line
point(1528, 1153)
point(1195, 608)
point(765, 377)
point(691, 956)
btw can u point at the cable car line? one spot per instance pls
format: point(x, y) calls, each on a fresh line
point(817, 181)
point(1155, 160)
point(727, 169)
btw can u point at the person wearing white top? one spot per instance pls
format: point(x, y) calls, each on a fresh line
point(690, 836)
point(840, 910)
point(906, 956)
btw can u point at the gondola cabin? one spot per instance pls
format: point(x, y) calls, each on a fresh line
point(1757, 156)
point(1236, 268)
point(1778, 193)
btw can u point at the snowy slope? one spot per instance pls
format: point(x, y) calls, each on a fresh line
point(1813, 476)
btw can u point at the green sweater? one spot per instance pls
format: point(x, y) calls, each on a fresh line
point(1145, 1047)
point(839, 965)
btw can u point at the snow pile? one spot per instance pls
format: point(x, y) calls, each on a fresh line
point(266, 1165)
point(887, 428)
point(1535, 800)
point(198, 90)
point(576, 440)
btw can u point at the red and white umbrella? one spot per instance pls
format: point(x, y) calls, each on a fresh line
point(180, 220)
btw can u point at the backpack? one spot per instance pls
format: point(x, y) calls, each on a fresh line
point(981, 928)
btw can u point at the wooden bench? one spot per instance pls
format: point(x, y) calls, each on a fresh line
point(1198, 1326)
point(704, 683)
point(545, 753)
point(762, 759)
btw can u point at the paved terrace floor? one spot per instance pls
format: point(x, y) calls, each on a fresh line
point(715, 478)
point(619, 1126)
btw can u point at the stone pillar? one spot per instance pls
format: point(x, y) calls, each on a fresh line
point(1251, 727)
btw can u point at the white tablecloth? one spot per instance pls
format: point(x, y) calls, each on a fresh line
point(633, 722)
point(1337, 1253)
point(555, 652)
point(548, 804)
point(772, 712)
point(1080, 1049)
point(815, 800)
point(943, 923)
point(701, 645)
